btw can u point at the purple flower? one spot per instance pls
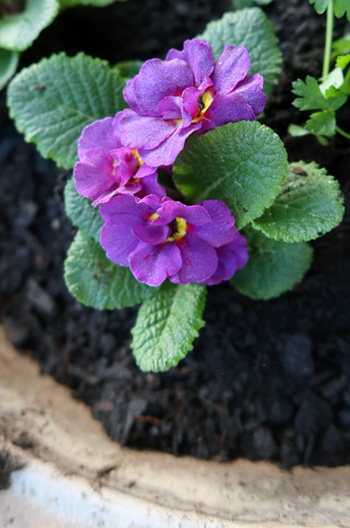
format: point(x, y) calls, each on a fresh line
point(186, 93)
point(107, 168)
point(159, 238)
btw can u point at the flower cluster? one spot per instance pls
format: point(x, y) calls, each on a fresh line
point(155, 236)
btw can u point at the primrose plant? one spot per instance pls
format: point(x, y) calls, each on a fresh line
point(328, 95)
point(183, 188)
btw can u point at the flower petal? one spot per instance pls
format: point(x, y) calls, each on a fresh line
point(226, 109)
point(157, 79)
point(125, 204)
point(199, 260)
point(232, 257)
point(251, 89)
point(153, 264)
point(94, 178)
point(151, 234)
point(198, 55)
point(145, 132)
point(99, 134)
point(194, 214)
point(231, 67)
point(221, 229)
point(117, 238)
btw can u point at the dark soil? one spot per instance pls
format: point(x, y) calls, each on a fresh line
point(266, 380)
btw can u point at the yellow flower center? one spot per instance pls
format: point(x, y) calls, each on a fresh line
point(135, 153)
point(178, 229)
point(204, 101)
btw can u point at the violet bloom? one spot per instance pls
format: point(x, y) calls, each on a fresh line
point(161, 238)
point(106, 167)
point(187, 92)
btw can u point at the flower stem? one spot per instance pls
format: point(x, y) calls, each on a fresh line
point(328, 39)
point(342, 132)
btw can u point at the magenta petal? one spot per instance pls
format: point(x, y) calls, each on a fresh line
point(145, 132)
point(158, 79)
point(251, 89)
point(171, 107)
point(221, 229)
point(231, 67)
point(232, 257)
point(93, 179)
point(150, 186)
point(98, 135)
point(151, 234)
point(198, 55)
point(117, 238)
point(199, 260)
point(167, 151)
point(130, 97)
point(226, 109)
point(120, 205)
point(194, 214)
point(153, 264)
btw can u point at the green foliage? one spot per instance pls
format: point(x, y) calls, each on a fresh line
point(242, 164)
point(252, 29)
point(341, 7)
point(274, 267)
point(8, 65)
point(17, 32)
point(96, 3)
point(310, 96)
point(96, 281)
point(52, 101)
point(81, 212)
point(321, 124)
point(341, 45)
point(309, 205)
point(167, 324)
point(242, 4)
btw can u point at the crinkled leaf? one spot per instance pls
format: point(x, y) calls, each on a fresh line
point(242, 164)
point(167, 325)
point(8, 65)
point(273, 266)
point(322, 124)
point(252, 29)
point(311, 97)
point(52, 101)
point(17, 32)
point(96, 281)
point(81, 212)
point(309, 205)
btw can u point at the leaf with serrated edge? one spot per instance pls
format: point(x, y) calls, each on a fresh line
point(96, 281)
point(167, 325)
point(252, 29)
point(342, 7)
point(17, 32)
point(274, 267)
point(308, 206)
point(311, 97)
point(81, 212)
point(322, 124)
point(242, 164)
point(52, 101)
point(320, 5)
point(8, 65)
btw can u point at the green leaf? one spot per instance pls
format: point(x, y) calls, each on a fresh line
point(297, 131)
point(309, 205)
point(274, 267)
point(341, 45)
point(81, 212)
point(167, 325)
point(96, 281)
point(17, 32)
point(52, 101)
point(128, 69)
point(252, 29)
point(342, 7)
point(8, 65)
point(320, 5)
point(242, 164)
point(343, 61)
point(311, 97)
point(322, 124)
point(332, 81)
